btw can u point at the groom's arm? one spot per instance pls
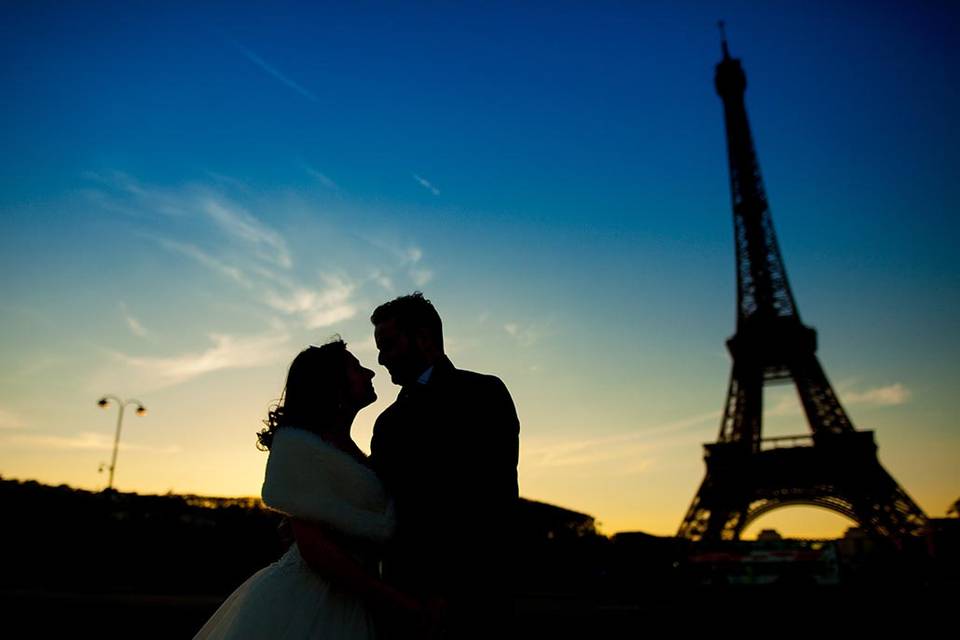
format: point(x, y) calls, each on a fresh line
point(501, 433)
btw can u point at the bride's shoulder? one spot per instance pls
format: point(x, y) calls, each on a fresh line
point(289, 434)
point(293, 438)
point(309, 478)
point(298, 446)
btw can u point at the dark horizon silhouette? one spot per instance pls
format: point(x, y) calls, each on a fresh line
point(172, 559)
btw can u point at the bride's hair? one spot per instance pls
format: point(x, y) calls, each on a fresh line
point(315, 386)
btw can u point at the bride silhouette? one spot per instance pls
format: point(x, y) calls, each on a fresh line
point(327, 584)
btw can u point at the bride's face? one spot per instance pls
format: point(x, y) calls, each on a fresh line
point(359, 390)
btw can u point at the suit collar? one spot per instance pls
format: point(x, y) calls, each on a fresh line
point(440, 371)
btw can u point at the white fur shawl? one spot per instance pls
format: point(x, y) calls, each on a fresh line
point(310, 479)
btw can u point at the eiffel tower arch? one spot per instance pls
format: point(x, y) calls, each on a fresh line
point(835, 466)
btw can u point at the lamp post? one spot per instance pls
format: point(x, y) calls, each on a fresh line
point(103, 403)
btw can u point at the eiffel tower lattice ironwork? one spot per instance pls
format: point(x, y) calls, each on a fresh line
point(836, 467)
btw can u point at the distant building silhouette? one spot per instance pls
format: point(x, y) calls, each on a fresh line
point(542, 521)
point(769, 535)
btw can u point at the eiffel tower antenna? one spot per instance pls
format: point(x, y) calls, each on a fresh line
point(723, 39)
point(836, 466)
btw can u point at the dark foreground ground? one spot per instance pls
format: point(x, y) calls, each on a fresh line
point(77, 564)
point(752, 612)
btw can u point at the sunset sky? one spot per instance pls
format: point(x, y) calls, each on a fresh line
point(190, 193)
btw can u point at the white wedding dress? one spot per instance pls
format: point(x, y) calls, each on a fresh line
point(312, 480)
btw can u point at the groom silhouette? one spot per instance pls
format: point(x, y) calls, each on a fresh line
point(446, 451)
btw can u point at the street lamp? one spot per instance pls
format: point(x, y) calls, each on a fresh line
point(103, 403)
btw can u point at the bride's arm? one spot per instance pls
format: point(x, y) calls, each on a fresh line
point(327, 557)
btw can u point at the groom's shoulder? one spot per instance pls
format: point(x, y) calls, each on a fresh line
point(466, 377)
point(480, 385)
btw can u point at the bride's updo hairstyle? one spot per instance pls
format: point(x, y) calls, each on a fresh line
point(315, 386)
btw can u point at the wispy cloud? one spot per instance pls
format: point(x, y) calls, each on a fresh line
point(321, 178)
point(135, 326)
point(267, 243)
point(208, 261)
point(270, 69)
point(227, 352)
point(418, 274)
point(426, 185)
point(408, 257)
point(619, 454)
point(889, 395)
point(365, 346)
point(82, 441)
point(221, 228)
point(195, 203)
point(584, 452)
point(788, 404)
point(421, 277)
point(525, 336)
point(9, 420)
point(147, 199)
point(886, 396)
point(382, 279)
point(318, 307)
point(404, 253)
point(228, 181)
point(38, 365)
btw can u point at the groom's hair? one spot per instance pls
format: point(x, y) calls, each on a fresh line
point(411, 313)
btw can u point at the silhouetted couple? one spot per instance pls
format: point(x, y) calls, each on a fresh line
point(432, 506)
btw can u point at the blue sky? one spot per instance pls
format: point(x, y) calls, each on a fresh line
point(190, 194)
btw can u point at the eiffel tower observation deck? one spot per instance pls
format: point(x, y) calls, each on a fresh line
point(835, 466)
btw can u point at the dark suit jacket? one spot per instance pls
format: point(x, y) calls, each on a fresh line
point(447, 453)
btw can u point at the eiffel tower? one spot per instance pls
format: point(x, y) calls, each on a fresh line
point(836, 466)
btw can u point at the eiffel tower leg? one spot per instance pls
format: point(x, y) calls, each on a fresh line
point(712, 515)
point(718, 511)
point(719, 508)
point(694, 524)
point(820, 403)
point(744, 409)
point(881, 504)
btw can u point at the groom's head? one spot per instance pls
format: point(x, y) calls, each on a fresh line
point(409, 336)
